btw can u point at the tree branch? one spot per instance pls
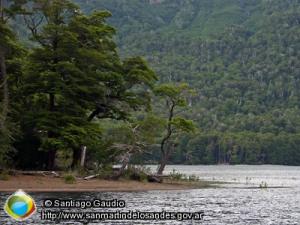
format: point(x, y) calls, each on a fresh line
point(169, 128)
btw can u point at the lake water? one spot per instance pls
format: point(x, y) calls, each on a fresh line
point(239, 201)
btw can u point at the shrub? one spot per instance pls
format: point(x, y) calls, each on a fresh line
point(263, 185)
point(193, 178)
point(4, 175)
point(174, 175)
point(138, 174)
point(105, 171)
point(69, 179)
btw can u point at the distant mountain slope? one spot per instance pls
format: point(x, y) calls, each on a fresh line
point(243, 58)
point(196, 17)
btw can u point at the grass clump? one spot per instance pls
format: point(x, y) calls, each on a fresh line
point(69, 179)
point(263, 185)
point(174, 175)
point(193, 178)
point(4, 175)
point(137, 174)
point(105, 171)
point(191, 181)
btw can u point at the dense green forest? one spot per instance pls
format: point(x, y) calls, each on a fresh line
point(69, 101)
point(241, 57)
point(75, 80)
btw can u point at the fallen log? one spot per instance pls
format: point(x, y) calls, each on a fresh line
point(154, 179)
point(35, 173)
point(91, 177)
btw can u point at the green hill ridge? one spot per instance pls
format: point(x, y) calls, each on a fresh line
point(242, 57)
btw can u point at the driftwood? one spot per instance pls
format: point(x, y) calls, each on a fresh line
point(36, 173)
point(154, 179)
point(157, 178)
point(91, 177)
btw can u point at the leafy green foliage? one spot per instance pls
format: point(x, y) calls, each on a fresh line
point(4, 175)
point(239, 56)
point(10, 57)
point(74, 75)
point(182, 124)
point(240, 59)
point(174, 96)
point(69, 179)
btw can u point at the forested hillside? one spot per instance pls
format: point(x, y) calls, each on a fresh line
point(242, 58)
point(68, 101)
point(219, 82)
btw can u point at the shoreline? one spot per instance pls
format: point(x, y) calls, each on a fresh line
point(36, 183)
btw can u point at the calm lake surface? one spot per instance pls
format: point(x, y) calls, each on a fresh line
point(240, 201)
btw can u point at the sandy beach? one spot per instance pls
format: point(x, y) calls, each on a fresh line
point(50, 184)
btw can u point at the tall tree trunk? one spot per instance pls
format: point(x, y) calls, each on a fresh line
point(83, 156)
point(79, 157)
point(76, 157)
point(51, 159)
point(51, 152)
point(165, 158)
point(162, 165)
point(165, 151)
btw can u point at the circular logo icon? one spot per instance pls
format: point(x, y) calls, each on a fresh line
point(20, 206)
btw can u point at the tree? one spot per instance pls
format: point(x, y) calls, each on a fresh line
point(132, 138)
point(75, 75)
point(54, 111)
point(244, 68)
point(174, 97)
point(122, 86)
point(9, 48)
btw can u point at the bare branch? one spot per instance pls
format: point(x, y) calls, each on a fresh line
point(33, 22)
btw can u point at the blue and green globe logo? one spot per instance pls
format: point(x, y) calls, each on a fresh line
point(20, 206)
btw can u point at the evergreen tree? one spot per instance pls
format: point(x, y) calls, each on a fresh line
point(75, 75)
point(9, 49)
